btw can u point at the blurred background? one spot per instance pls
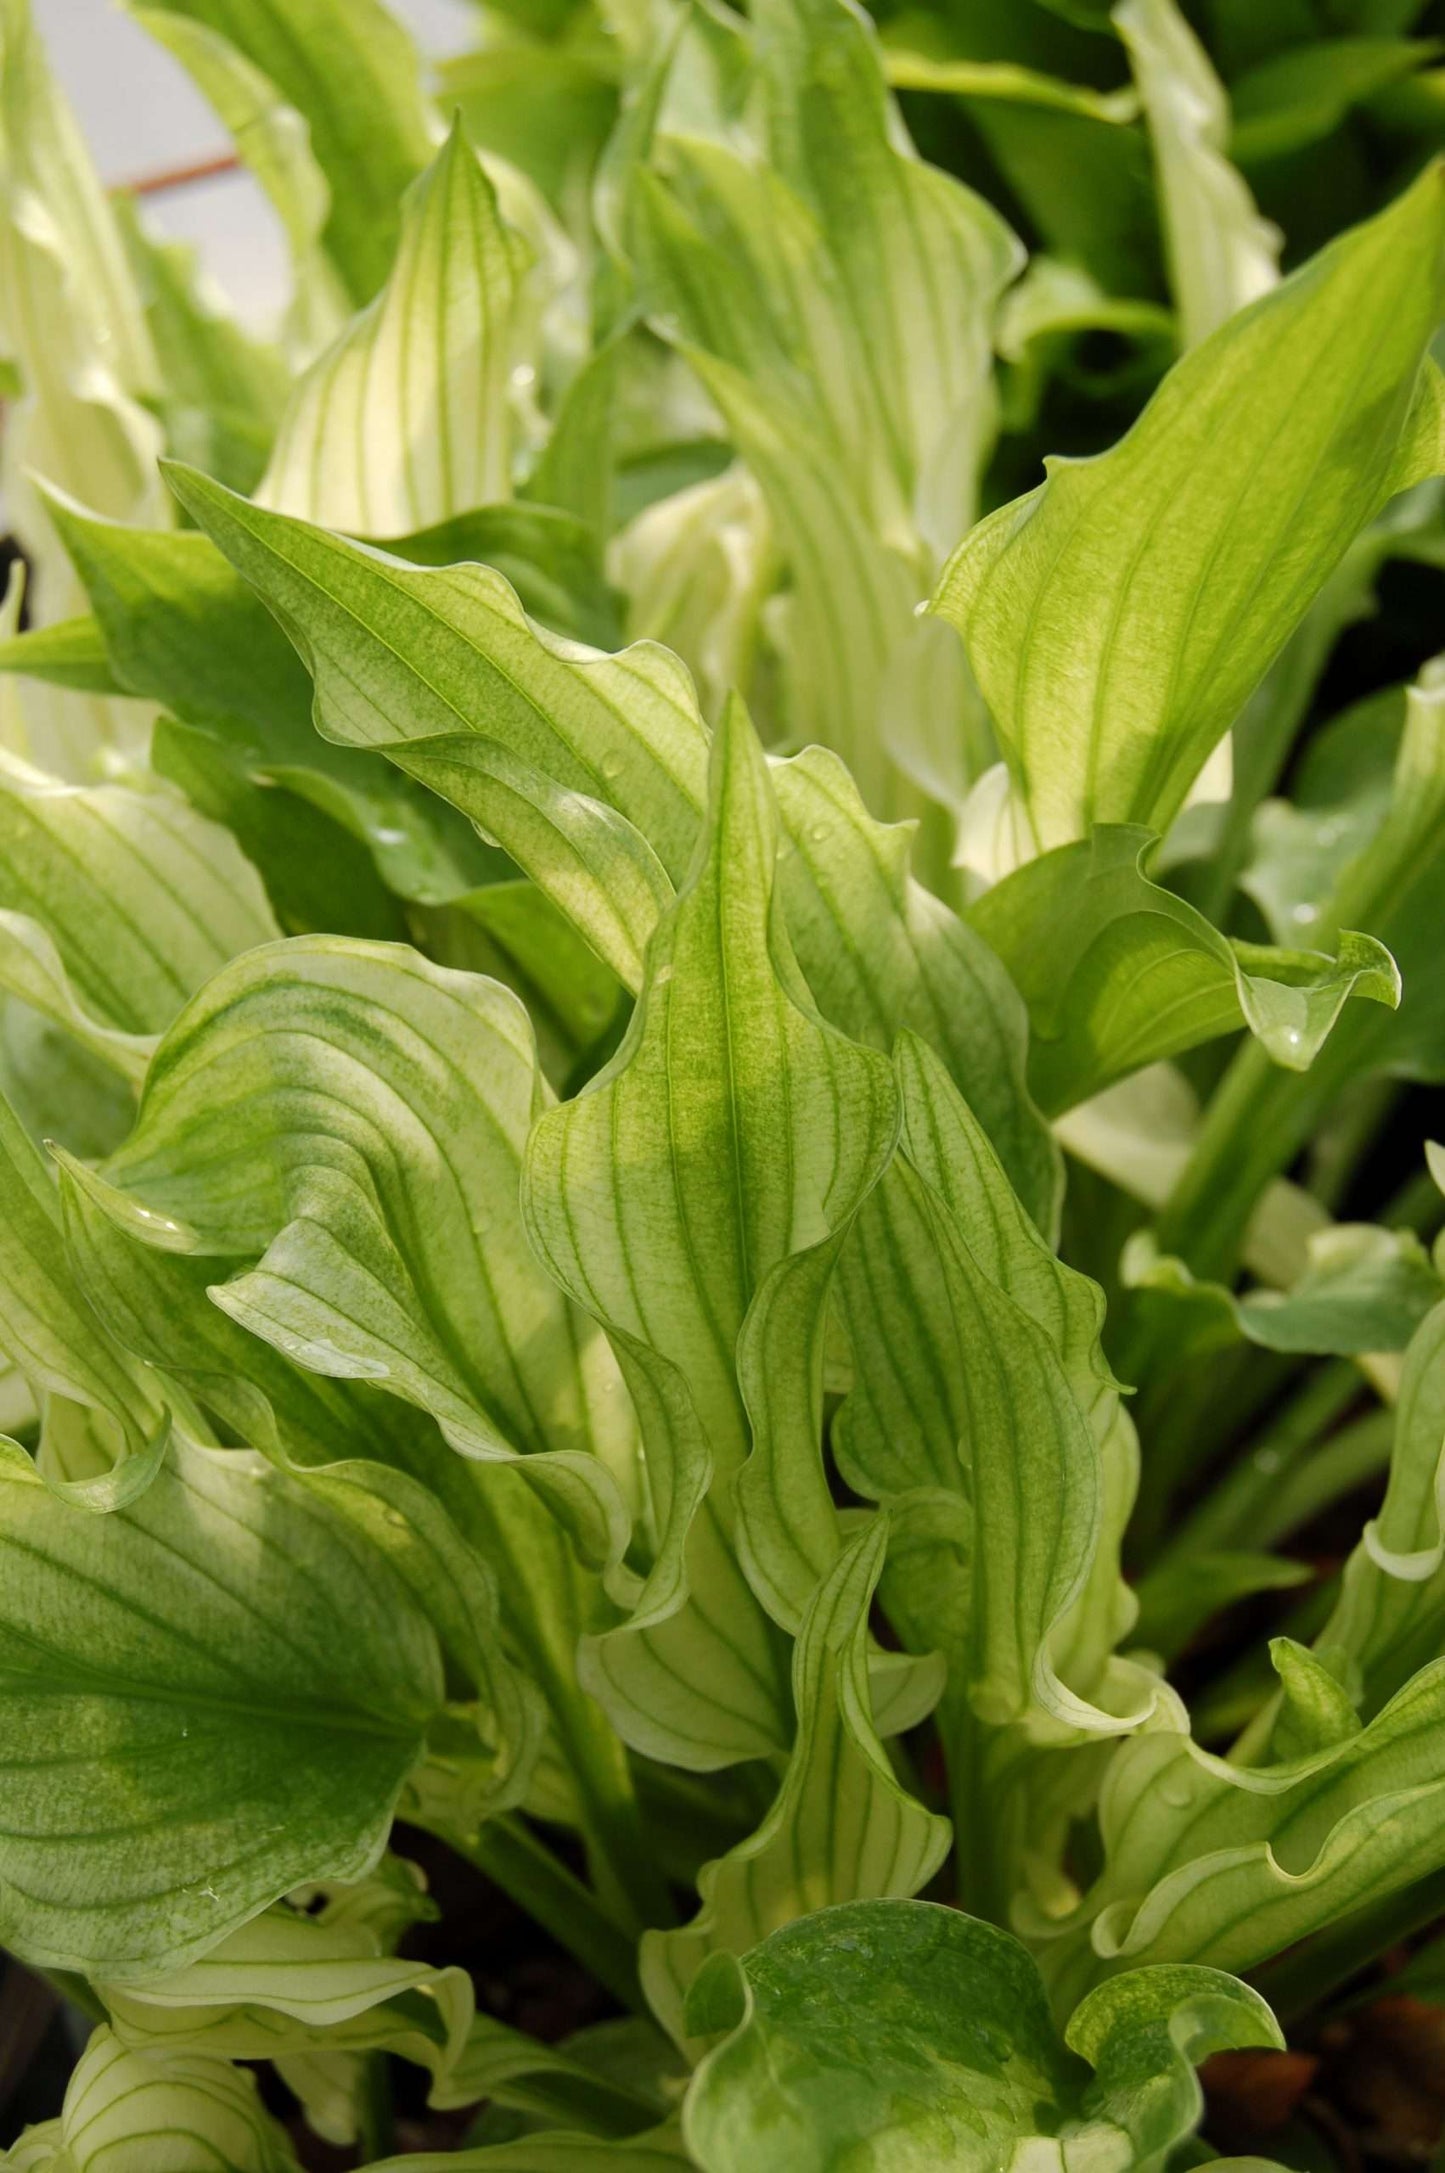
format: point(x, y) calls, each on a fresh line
point(149, 127)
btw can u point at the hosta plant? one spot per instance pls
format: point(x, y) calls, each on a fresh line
point(721, 910)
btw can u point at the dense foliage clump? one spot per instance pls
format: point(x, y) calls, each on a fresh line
point(721, 917)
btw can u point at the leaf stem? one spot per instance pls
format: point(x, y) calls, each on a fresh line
point(1253, 1504)
point(975, 1802)
point(545, 1600)
point(526, 1870)
point(375, 2124)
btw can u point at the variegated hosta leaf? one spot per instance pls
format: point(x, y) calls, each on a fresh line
point(590, 770)
point(790, 284)
point(362, 1113)
point(882, 955)
point(1211, 1861)
point(47, 1330)
point(1390, 1617)
point(178, 625)
point(1118, 616)
point(117, 904)
point(1119, 972)
point(978, 1381)
point(351, 71)
point(340, 1125)
point(156, 1304)
point(273, 141)
point(290, 1983)
point(406, 419)
point(71, 321)
point(263, 1687)
point(850, 608)
point(732, 1129)
point(1222, 255)
point(171, 2113)
point(576, 763)
point(920, 260)
point(965, 2066)
point(396, 1481)
point(840, 1829)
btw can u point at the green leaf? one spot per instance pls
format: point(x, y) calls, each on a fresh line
point(515, 933)
point(115, 904)
point(71, 653)
point(1119, 972)
point(318, 874)
point(1177, 1601)
point(840, 1829)
point(1222, 255)
point(590, 770)
point(964, 2064)
point(660, 2150)
point(1069, 154)
point(978, 1384)
point(405, 420)
point(1118, 616)
point(1306, 93)
point(551, 557)
point(614, 2076)
point(127, 2107)
point(227, 1707)
point(57, 1088)
point(339, 1126)
point(47, 1330)
point(1363, 1289)
point(352, 72)
point(547, 744)
point(182, 628)
point(732, 1129)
